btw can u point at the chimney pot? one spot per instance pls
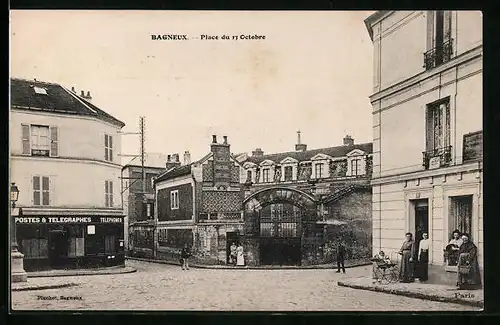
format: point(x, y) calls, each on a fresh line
point(88, 93)
point(73, 89)
point(225, 139)
point(214, 138)
point(83, 93)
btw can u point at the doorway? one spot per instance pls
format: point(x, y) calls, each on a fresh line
point(58, 248)
point(421, 219)
point(231, 237)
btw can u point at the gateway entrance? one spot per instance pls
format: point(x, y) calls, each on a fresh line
point(280, 234)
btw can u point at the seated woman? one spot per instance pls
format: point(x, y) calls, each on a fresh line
point(453, 247)
point(468, 266)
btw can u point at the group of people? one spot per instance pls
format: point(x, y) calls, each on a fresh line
point(236, 256)
point(414, 260)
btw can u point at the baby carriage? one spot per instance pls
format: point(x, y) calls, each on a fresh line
point(385, 271)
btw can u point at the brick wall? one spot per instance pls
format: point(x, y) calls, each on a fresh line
point(221, 201)
point(185, 211)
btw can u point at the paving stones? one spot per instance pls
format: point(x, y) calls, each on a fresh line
point(166, 287)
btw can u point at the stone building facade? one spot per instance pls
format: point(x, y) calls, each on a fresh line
point(427, 131)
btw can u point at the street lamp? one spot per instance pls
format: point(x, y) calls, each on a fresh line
point(17, 270)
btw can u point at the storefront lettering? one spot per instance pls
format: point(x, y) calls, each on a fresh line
point(67, 220)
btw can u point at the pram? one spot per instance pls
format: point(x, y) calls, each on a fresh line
point(384, 271)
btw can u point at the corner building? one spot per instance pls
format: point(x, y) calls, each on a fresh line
point(427, 130)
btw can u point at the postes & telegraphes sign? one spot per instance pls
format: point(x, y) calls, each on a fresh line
point(83, 220)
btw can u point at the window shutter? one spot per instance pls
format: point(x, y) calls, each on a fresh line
point(429, 129)
point(54, 144)
point(447, 25)
point(106, 196)
point(430, 29)
point(36, 190)
point(106, 148)
point(110, 187)
point(26, 139)
point(110, 143)
point(45, 191)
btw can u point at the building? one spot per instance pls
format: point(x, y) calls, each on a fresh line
point(298, 205)
point(427, 131)
point(138, 202)
point(64, 157)
point(285, 208)
point(199, 204)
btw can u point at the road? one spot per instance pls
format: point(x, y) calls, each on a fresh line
point(167, 287)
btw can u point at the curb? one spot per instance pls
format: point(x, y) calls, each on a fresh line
point(45, 287)
point(417, 295)
point(121, 270)
point(224, 267)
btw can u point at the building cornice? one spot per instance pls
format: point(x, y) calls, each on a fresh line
point(463, 168)
point(375, 18)
point(461, 59)
point(67, 159)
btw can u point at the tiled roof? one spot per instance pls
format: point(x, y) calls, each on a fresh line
point(57, 100)
point(174, 172)
point(339, 151)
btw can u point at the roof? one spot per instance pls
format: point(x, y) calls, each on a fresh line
point(373, 18)
point(174, 172)
point(338, 151)
point(151, 160)
point(56, 100)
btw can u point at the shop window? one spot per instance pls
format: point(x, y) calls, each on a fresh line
point(461, 213)
point(34, 243)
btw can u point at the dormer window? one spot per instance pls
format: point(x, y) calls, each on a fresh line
point(40, 91)
point(319, 170)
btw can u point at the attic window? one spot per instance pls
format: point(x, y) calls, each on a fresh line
point(41, 91)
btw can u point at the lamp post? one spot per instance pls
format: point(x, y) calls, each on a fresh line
point(17, 269)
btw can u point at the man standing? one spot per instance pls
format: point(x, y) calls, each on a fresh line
point(340, 257)
point(185, 255)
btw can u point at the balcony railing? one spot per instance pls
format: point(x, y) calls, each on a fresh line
point(438, 55)
point(435, 158)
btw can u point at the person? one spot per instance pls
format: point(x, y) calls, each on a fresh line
point(407, 253)
point(232, 254)
point(340, 257)
point(240, 261)
point(423, 258)
point(453, 247)
point(185, 255)
point(469, 276)
point(381, 256)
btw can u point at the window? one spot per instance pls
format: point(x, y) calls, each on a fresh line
point(40, 90)
point(39, 140)
point(108, 190)
point(438, 132)
point(40, 144)
point(41, 190)
point(108, 147)
point(249, 176)
point(461, 214)
point(174, 199)
point(318, 170)
point(265, 175)
point(356, 167)
point(148, 210)
point(288, 173)
point(439, 41)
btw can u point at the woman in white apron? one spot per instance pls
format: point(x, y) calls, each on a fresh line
point(240, 261)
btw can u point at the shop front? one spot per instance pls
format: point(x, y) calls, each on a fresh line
point(65, 242)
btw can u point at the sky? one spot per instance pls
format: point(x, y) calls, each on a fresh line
point(312, 72)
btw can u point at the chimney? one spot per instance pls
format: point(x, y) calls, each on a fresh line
point(225, 139)
point(348, 141)
point(82, 94)
point(257, 152)
point(172, 161)
point(73, 90)
point(187, 158)
point(214, 138)
point(88, 97)
point(300, 146)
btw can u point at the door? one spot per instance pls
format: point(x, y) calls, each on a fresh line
point(58, 248)
point(421, 219)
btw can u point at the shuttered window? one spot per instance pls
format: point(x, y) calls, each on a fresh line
point(108, 190)
point(26, 139)
point(108, 147)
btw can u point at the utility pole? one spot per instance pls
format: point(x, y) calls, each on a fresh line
point(143, 139)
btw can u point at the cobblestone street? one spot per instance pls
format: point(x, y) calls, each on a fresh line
point(167, 287)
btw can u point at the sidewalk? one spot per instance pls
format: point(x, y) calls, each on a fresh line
point(35, 284)
point(79, 272)
point(348, 264)
point(435, 292)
